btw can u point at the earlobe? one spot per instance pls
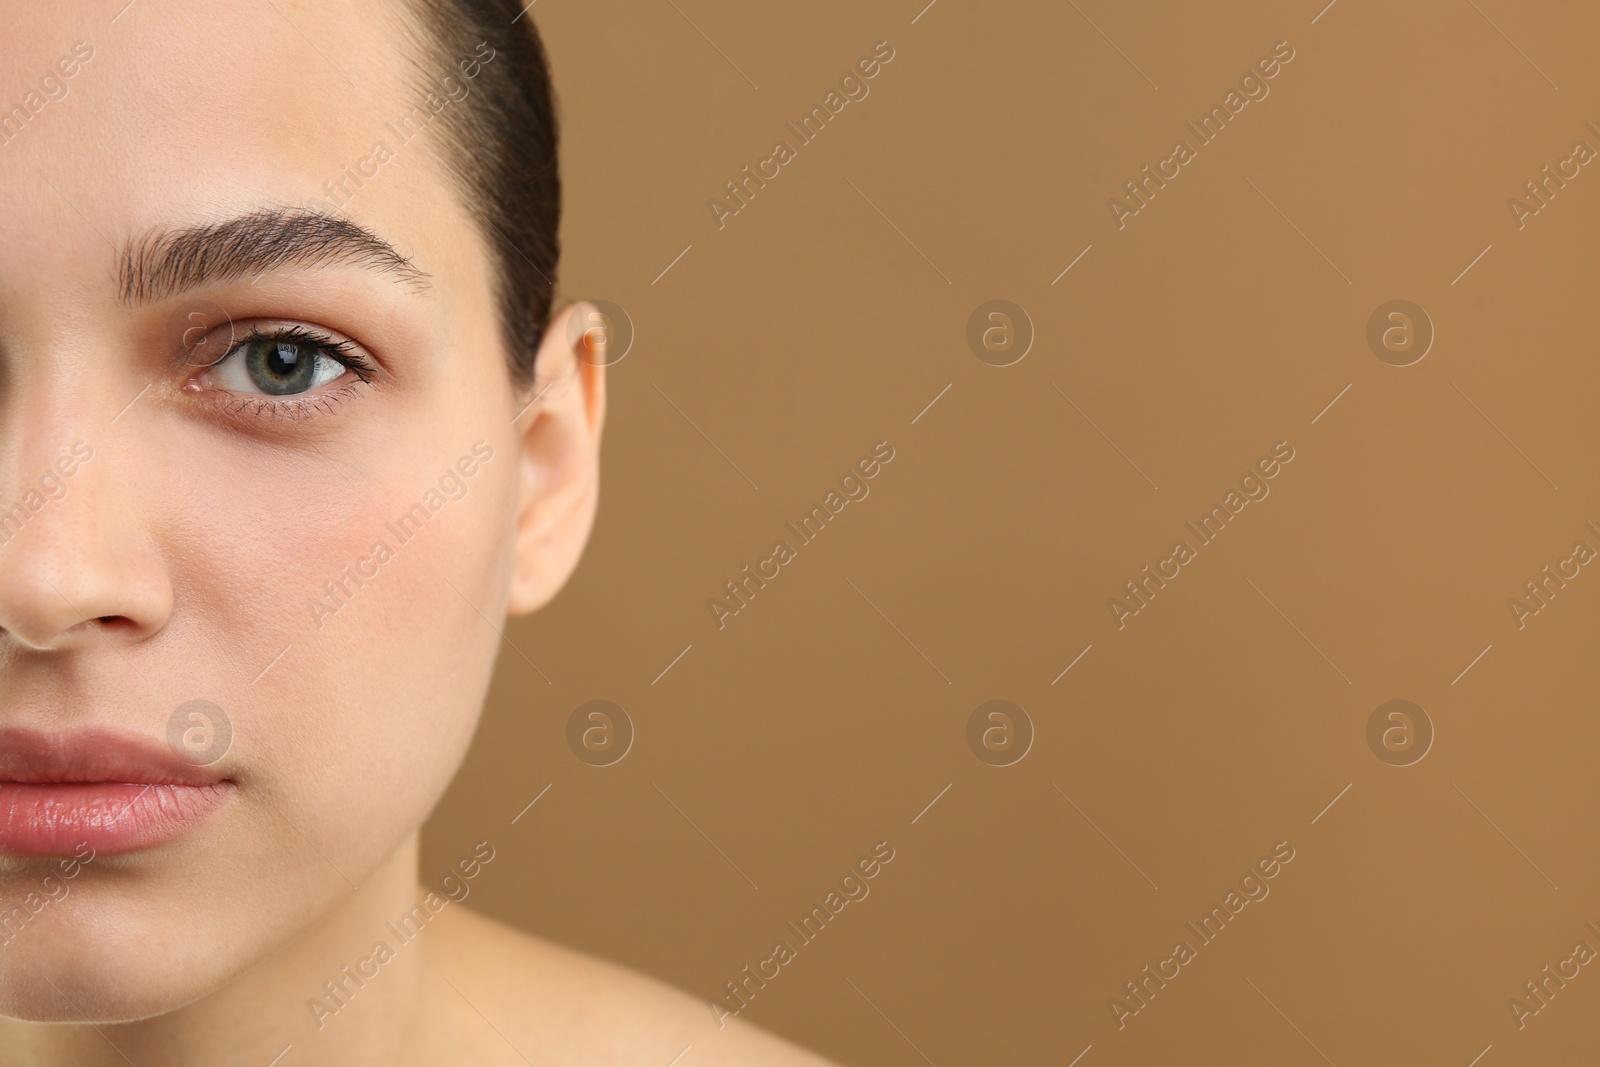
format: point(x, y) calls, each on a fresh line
point(558, 457)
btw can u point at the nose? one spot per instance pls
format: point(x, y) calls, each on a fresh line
point(76, 563)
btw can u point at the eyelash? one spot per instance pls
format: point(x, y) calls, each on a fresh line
point(307, 405)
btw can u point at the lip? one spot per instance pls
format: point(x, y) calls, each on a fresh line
point(111, 791)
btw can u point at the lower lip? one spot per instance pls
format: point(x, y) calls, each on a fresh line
point(60, 818)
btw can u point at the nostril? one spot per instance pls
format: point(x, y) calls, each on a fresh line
point(109, 625)
point(86, 582)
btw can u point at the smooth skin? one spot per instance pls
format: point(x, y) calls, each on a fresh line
point(181, 559)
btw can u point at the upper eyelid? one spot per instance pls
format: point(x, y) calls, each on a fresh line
point(298, 334)
point(333, 342)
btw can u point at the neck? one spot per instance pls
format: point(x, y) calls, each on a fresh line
point(347, 990)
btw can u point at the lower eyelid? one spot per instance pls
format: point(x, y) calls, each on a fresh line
point(283, 409)
point(291, 408)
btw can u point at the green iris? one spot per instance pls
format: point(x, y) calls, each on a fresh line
point(279, 366)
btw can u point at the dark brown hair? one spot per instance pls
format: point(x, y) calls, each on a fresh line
point(500, 150)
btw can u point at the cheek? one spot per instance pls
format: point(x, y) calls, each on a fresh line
point(370, 584)
point(340, 748)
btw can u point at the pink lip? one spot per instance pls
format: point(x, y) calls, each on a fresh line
point(116, 792)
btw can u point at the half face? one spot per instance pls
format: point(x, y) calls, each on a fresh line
point(261, 483)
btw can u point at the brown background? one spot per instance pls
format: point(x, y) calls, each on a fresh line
point(1216, 723)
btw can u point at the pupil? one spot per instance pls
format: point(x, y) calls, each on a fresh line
point(280, 367)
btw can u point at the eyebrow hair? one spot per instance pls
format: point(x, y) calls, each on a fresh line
point(166, 262)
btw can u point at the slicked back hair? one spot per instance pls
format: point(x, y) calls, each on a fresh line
point(500, 150)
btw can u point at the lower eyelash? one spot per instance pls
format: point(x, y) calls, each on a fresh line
point(307, 406)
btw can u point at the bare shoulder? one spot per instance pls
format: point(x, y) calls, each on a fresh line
point(574, 1007)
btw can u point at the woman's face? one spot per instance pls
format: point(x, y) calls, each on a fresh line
point(324, 560)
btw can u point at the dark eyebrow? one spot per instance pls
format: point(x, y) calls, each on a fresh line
point(167, 262)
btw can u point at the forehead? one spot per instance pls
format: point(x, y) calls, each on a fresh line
point(117, 118)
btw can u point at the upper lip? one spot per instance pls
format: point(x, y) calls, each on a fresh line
point(94, 754)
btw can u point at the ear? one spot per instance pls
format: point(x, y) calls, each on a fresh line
point(559, 456)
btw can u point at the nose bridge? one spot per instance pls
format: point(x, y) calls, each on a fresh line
point(77, 551)
point(44, 472)
point(52, 419)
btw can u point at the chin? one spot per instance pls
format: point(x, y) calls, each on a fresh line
point(102, 961)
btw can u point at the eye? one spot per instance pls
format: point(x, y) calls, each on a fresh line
point(283, 363)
